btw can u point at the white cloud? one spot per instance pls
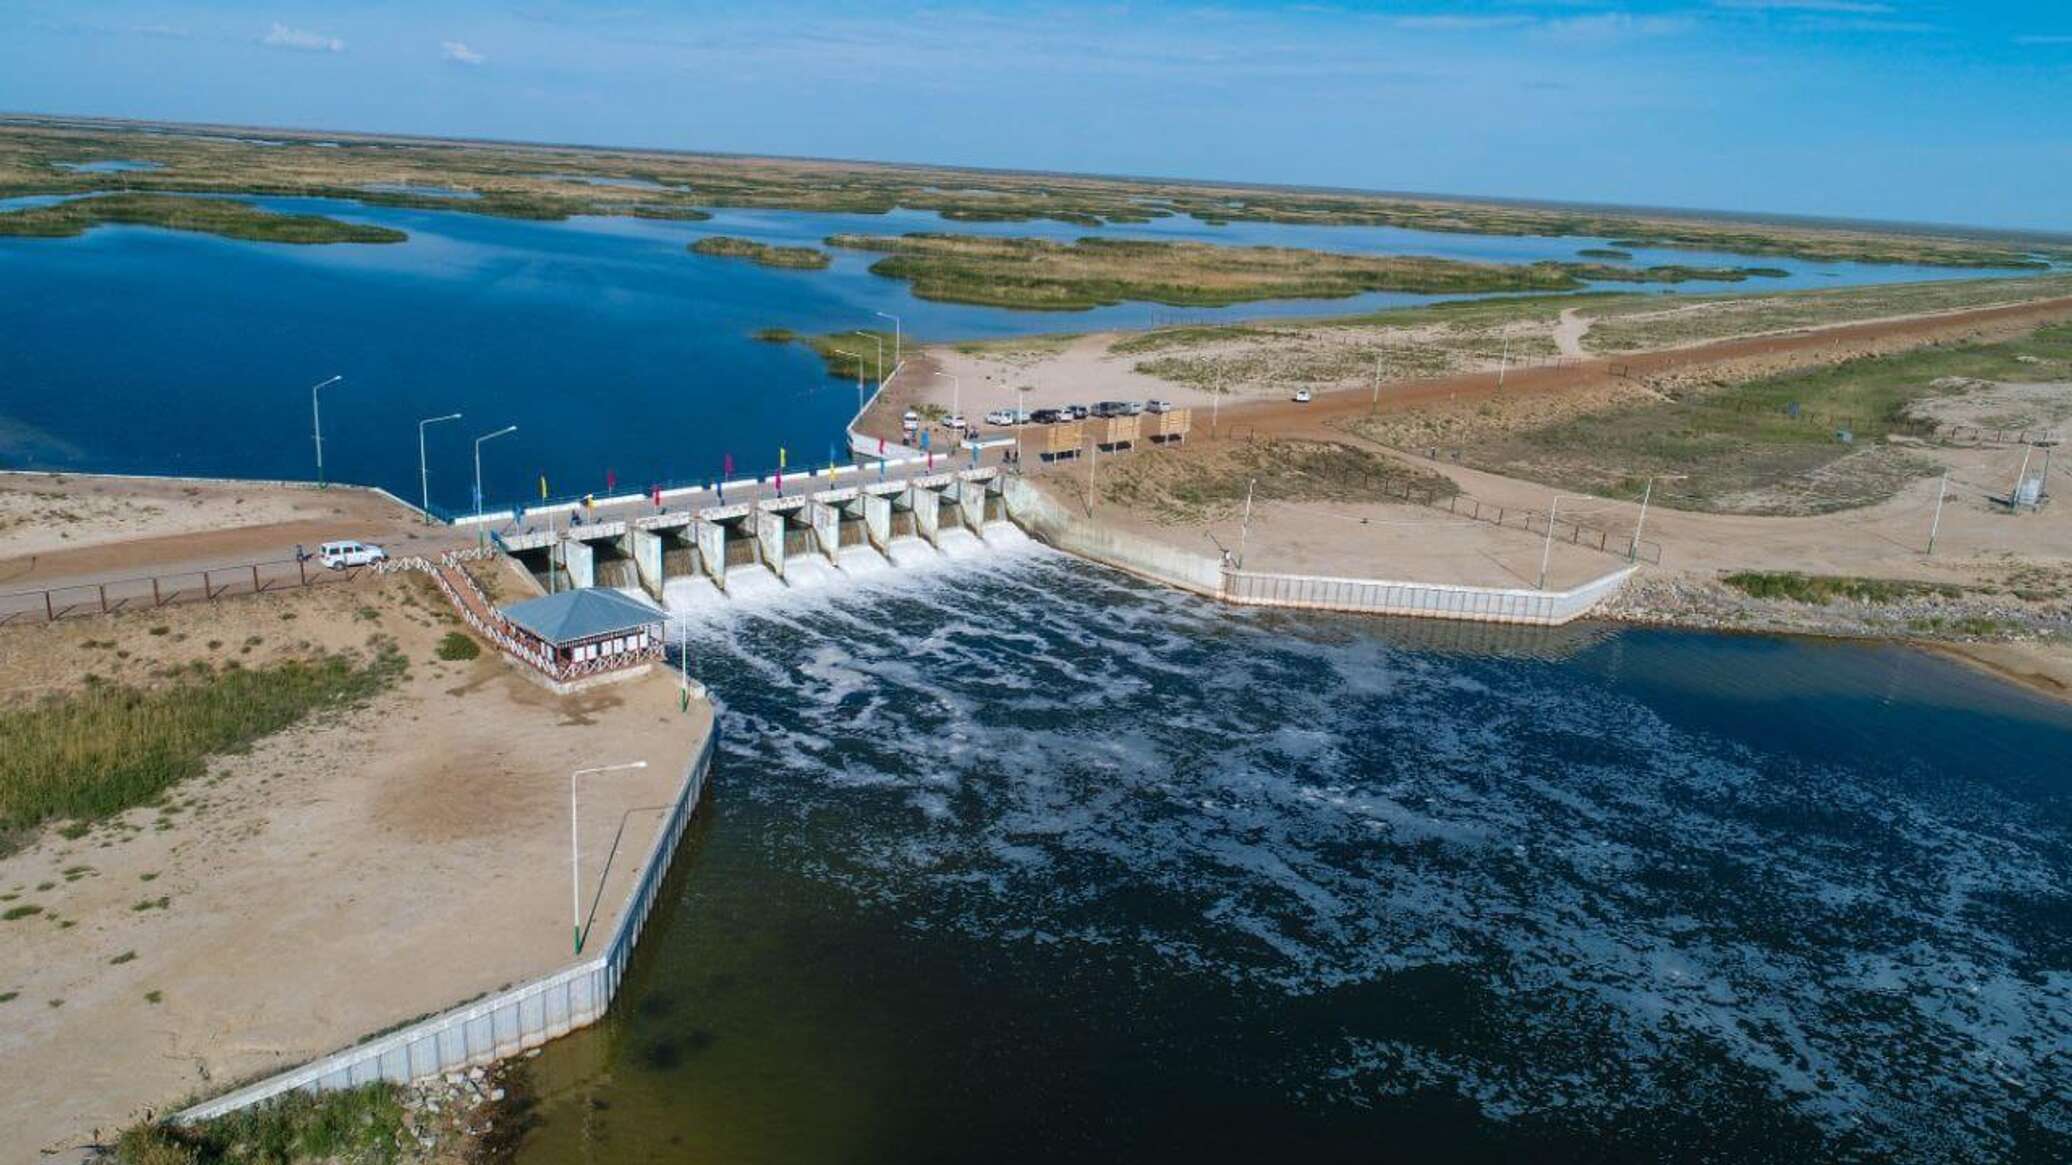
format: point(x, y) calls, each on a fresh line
point(280, 36)
point(459, 53)
point(1848, 7)
point(1454, 23)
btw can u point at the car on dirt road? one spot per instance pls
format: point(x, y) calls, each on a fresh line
point(344, 555)
point(1047, 417)
point(1302, 396)
point(1158, 406)
point(1002, 417)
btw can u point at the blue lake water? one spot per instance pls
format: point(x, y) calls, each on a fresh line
point(1027, 861)
point(614, 350)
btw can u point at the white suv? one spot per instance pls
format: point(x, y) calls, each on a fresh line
point(340, 555)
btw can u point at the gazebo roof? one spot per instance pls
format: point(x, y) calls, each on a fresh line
point(589, 613)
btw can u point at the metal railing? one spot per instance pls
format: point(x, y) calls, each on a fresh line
point(144, 592)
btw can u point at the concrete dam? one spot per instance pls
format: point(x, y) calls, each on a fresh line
point(692, 555)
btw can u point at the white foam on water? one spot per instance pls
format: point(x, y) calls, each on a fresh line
point(748, 584)
point(906, 553)
point(859, 561)
point(696, 593)
point(810, 572)
point(959, 543)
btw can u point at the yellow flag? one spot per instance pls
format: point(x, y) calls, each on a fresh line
point(780, 457)
point(543, 487)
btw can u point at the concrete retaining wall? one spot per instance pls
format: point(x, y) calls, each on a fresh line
point(1048, 521)
point(1430, 600)
point(502, 1025)
point(1045, 519)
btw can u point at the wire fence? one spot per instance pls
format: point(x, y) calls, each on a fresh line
point(145, 592)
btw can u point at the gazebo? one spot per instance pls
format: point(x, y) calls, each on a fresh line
point(587, 632)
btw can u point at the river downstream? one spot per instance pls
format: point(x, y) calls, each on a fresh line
point(1022, 859)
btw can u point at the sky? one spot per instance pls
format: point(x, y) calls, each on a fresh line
point(1915, 110)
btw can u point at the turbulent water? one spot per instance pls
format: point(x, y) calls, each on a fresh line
point(1016, 857)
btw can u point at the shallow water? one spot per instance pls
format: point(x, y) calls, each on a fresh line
point(615, 351)
point(1019, 859)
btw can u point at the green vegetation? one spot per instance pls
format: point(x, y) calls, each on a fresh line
point(1196, 488)
point(1604, 253)
point(458, 645)
point(110, 747)
point(213, 216)
point(1674, 273)
point(23, 911)
point(1037, 274)
point(775, 335)
point(728, 247)
point(1825, 588)
point(1771, 445)
point(552, 183)
point(1638, 323)
point(853, 356)
point(359, 1126)
point(122, 958)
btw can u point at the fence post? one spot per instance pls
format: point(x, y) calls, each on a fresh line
point(255, 578)
point(301, 571)
point(104, 598)
point(50, 614)
point(155, 600)
point(208, 587)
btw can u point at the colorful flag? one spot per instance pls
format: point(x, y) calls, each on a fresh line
point(543, 487)
point(611, 481)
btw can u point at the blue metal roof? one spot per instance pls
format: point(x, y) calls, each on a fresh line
point(589, 613)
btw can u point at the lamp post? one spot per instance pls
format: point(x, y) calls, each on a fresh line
point(1941, 491)
point(1633, 548)
point(1547, 552)
point(859, 374)
point(478, 473)
point(424, 475)
point(895, 332)
point(880, 342)
point(575, 842)
point(316, 417)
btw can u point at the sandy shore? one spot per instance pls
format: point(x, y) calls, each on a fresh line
point(339, 877)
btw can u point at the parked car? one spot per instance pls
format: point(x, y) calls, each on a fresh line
point(954, 421)
point(911, 421)
point(1111, 408)
point(1158, 406)
point(340, 555)
point(1002, 417)
point(1132, 408)
point(1045, 417)
point(1079, 412)
point(1302, 396)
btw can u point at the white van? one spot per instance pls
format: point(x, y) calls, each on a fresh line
point(340, 555)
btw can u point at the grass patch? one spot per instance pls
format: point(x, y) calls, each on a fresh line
point(1185, 486)
point(728, 247)
point(122, 958)
point(23, 911)
point(1826, 588)
point(775, 335)
point(9, 996)
point(112, 747)
point(365, 1124)
point(213, 216)
point(159, 903)
point(850, 356)
point(1037, 274)
point(1604, 253)
point(1760, 446)
point(154, 996)
point(458, 645)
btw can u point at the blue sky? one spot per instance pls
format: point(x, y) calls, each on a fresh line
point(1901, 109)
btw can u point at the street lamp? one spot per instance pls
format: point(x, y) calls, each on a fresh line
point(424, 475)
point(575, 842)
point(1548, 552)
point(895, 332)
point(880, 342)
point(859, 374)
point(1633, 550)
point(478, 473)
point(316, 417)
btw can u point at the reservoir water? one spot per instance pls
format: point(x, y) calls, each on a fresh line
point(1022, 860)
point(614, 350)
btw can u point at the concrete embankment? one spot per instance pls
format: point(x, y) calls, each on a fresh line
point(1045, 518)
